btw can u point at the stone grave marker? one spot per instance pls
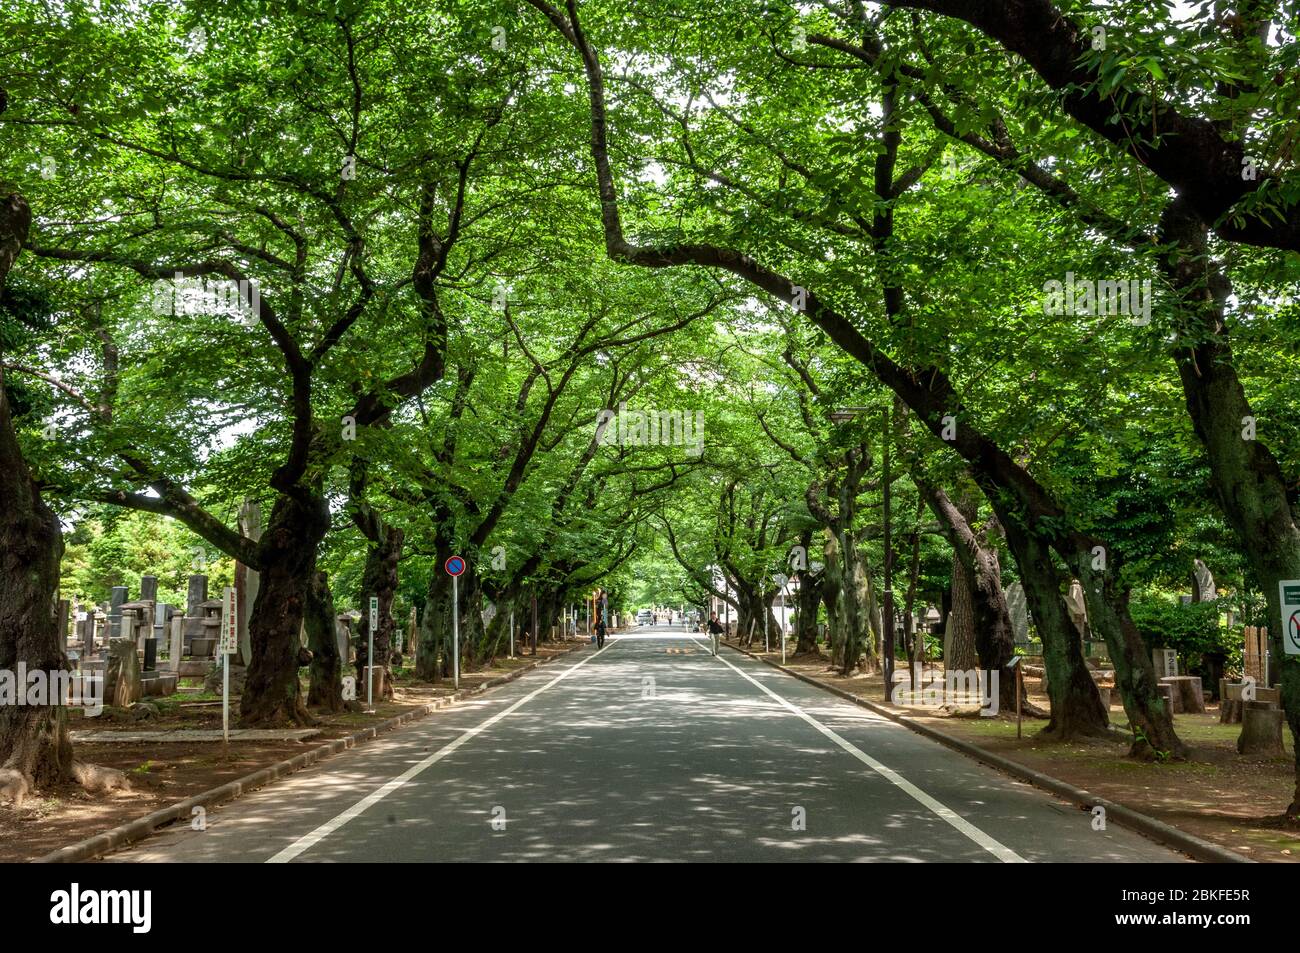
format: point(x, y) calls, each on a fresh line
point(1075, 602)
point(64, 607)
point(1205, 588)
point(196, 593)
point(247, 579)
point(1018, 609)
point(115, 601)
point(122, 685)
point(176, 645)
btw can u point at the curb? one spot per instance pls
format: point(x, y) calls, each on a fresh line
point(142, 827)
point(1158, 831)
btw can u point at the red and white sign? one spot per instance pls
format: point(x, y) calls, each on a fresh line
point(230, 622)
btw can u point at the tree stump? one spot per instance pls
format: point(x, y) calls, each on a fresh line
point(1261, 730)
point(1171, 698)
point(1229, 702)
point(1185, 693)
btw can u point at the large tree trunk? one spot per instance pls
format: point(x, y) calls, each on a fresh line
point(272, 695)
point(433, 659)
point(832, 594)
point(978, 565)
point(1107, 600)
point(379, 578)
point(909, 603)
point(959, 630)
point(1077, 711)
point(326, 688)
point(496, 634)
point(1248, 480)
point(857, 608)
point(807, 601)
point(33, 738)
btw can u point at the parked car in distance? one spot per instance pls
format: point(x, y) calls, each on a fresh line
point(645, 617)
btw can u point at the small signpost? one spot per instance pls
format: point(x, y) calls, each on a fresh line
point(228, 646)
point(1289, 590)
point(1014, 663)
point(370, 656)
point(455, 566)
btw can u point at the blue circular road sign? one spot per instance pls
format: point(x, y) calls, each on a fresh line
point(455, 566)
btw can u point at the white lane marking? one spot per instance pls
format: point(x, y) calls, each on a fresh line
point(994, 847)
point(308, 841)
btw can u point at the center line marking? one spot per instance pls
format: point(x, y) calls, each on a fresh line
point(309, 841)
point(994, 847)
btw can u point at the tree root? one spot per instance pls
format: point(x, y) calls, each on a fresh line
point(93, 778)
point(14, 785)
point(97, 779)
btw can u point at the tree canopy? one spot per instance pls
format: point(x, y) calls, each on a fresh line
point(652, 297)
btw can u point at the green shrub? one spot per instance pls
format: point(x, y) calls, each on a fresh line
point(1194, 630)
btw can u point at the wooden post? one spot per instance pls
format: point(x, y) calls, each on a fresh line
point(1018, 684)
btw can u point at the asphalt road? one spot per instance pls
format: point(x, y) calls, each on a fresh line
point(649, 750)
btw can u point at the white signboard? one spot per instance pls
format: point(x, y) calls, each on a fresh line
point(374, 613)
point(1289, 590)
point(229, 622)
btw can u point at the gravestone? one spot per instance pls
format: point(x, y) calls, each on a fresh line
point(115, 601)
point(122, 685)
point(137, 622)
point(1018, 609)
point(1165, 662)
point(1074, 601)
point(96, 628)
point(196, 595)
point(247, 580)
point(204, 630)
point(194, 624)
point(162, 613)
point(64, 607)
point(148, 588)
point(176, 645)
point(343, 633)
point(1205, 589)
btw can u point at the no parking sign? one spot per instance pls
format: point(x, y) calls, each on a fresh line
point(1289, 590)
point(455, 566)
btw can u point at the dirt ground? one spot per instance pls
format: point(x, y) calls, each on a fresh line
point(1218, 795)
point(164, 773)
